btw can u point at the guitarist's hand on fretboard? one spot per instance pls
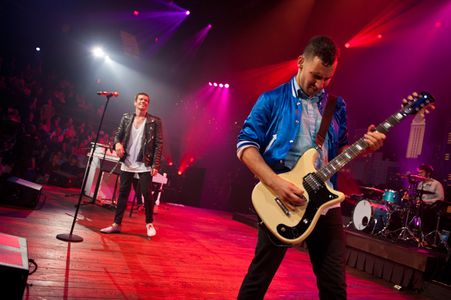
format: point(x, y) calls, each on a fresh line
point(374, 139)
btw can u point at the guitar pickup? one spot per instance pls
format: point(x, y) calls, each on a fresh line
point(282, 206)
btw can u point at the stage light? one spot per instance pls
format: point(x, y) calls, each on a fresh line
point(347, 45)
point(179, 173)
point(98, 52)
point(379, 36)
point(38, 49)
point(135, 13)
point(215, 84)
point(209, 26)
point(221, 85)
point(226, 85)
point(209, 83)
point(187, 12)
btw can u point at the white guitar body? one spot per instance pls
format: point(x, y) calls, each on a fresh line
point(275, 218)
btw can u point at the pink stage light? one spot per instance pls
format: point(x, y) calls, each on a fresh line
point(209, 26)
point(135, 13)
point(179, 173)
point(187, 12)
point(347, 45)
point(379, 36)
point(221, 85)
point(226, 85)
point(209, 83)
point(215, 84)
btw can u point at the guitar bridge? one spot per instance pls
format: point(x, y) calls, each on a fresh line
point(282, 206)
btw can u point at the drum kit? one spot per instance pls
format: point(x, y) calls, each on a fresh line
point(392, 214)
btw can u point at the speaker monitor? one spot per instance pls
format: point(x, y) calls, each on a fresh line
point(21, 192)
point(13, 266)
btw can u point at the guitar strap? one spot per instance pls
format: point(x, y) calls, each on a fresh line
point(325, 121)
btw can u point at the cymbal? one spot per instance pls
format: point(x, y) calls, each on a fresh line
point(373, 189)
point(416, 177)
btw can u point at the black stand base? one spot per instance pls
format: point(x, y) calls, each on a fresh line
point(67, 237)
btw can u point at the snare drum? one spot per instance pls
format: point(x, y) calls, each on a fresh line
point(391, 197)
point(370, 216)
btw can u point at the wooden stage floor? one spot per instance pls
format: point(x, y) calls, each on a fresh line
point(197, 254)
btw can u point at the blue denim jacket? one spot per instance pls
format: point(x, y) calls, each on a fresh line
point(273, 125)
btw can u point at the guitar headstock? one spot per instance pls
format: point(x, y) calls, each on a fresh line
point(418, 102)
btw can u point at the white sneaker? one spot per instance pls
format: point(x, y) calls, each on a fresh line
point(115, 228)
point(151, 230)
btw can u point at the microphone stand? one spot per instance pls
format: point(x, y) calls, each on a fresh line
point(70, 237)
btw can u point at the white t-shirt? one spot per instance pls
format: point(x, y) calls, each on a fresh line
point(134, 146)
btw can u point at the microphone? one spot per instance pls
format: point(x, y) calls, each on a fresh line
point(108, 94)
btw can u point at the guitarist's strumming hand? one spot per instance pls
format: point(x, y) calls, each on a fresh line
point(291, 194)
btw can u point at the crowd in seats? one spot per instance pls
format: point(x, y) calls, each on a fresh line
point(45, 124)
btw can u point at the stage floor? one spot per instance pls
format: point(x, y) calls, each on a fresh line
point(197, 254)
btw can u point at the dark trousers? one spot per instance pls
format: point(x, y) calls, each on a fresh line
point(145, 185)
point(327, 247)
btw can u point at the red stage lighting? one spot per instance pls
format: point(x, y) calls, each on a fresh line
point(135, 13)
point(379, 36)
point(179, 173)
point(347, 45)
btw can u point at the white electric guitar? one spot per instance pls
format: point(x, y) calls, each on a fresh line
point(293, 226)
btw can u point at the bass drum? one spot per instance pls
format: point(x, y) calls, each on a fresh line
point(369, 216)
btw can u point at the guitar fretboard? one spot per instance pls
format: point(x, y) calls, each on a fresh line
point(327, 171)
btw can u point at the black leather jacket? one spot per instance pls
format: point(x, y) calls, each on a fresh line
point(151, 143)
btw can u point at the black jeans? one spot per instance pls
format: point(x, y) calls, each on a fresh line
point(327, 247)
point(145, 184)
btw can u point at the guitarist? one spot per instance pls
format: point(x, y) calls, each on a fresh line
point(281, 126)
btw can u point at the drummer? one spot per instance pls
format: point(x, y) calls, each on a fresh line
point(429, 191)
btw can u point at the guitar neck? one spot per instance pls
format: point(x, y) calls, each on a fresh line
point(327, 171)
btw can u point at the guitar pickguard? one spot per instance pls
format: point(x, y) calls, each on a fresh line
point(317, 197)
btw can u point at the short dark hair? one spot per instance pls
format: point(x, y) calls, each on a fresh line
point(427, 168)
point(141, 93)
point(324, 47)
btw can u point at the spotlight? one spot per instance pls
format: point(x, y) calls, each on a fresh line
point(347, 45)
point(221, 85)
point(226, 85)
point(135, 13)
point(379, 36)
point(215, 84)
point(209, 83)
point(187, 12)
point(98, 52)
point(179, 172)
point(209, 26)
point(38, 49)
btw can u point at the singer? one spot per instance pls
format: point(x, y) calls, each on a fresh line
point(139, 143)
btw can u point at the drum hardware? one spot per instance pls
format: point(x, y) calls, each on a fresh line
point(435, 235)
point(372, 189)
